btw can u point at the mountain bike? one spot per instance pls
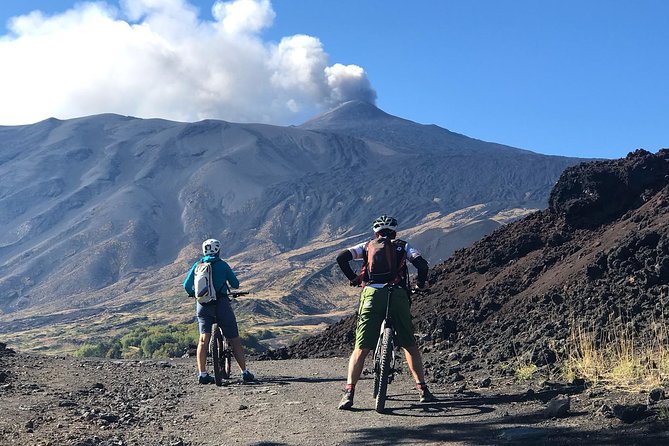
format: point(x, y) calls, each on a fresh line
point(386, 355)
point(220, 349)
point(384, 358)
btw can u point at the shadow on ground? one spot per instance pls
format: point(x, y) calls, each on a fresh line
point(495, 432)
point(529, 428)
point(283, 380)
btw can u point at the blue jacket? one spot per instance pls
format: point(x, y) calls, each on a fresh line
point(222, 275)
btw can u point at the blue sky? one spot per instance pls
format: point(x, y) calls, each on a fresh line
point(576, 78)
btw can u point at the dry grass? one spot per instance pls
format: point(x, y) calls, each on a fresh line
point(663, 413)
point(525, 372)
point(617, 357)
point(523, 367)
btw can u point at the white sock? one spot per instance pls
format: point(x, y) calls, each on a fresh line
point(202, 374)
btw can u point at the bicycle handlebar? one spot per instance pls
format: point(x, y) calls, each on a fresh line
point(238, 293)
point(411, 291)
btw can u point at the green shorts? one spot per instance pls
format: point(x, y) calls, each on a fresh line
point(372, 311)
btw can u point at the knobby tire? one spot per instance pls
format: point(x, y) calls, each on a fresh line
point(377, 366)
point(226, 360)
point(386, 358)
point(216, 350)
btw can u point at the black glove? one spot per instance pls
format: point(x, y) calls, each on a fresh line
point(423, 285)
point(354, 282)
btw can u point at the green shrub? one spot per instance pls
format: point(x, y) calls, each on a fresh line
point(114, 351)
point(88, 350)
point(158, 341)
point(106, 349)
point(132, 353)
point(134, 338)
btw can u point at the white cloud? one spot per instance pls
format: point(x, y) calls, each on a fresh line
point(157, 58)
point(243, 16)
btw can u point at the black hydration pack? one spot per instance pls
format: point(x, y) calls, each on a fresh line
point(384, 261)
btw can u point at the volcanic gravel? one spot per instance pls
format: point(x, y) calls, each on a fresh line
point(62, 400)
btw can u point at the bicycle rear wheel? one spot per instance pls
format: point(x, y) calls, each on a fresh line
point(384, 369)
point(216, 350)
point(226, 359)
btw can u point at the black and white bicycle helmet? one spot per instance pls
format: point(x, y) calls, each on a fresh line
point(384, 222)
point(211, 247)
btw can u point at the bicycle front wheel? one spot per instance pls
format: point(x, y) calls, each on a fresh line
point(216, 350)
point(377, 365)
point(384, 369)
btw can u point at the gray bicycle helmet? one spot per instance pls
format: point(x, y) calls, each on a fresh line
point(384, 222)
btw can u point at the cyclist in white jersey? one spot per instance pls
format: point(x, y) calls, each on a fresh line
point(373, 303)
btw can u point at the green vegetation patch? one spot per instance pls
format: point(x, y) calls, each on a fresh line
point(156, 341)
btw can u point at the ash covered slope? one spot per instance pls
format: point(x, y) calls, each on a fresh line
point(599, 252)
point(464, 170)
point(87, 202)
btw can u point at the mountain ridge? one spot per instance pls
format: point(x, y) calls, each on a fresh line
point(361, 119)
point(103, 211)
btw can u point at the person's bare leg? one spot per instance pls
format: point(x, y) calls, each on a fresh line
point(202, 347)
point(355, 364)
point(238, 352)
point(415, 362)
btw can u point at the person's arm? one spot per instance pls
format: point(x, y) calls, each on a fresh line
point(232, 278)
point(422, 266)
point(343, 260)
point(419, 262)
point(189, 283)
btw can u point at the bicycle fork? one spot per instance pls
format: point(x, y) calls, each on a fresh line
point(387, 321)
point(393, 354)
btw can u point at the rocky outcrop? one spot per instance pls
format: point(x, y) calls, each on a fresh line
point(592, 194)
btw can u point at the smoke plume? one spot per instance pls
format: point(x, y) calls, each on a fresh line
point(158, 58)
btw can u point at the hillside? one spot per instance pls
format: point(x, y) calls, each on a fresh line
point(101, 216)
point(596, 260)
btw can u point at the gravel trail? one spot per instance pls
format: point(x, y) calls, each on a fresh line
point(47, 400)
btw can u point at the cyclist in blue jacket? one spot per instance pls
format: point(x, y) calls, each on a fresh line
point(217, 311)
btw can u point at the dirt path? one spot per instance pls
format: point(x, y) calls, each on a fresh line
point(68, 401)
